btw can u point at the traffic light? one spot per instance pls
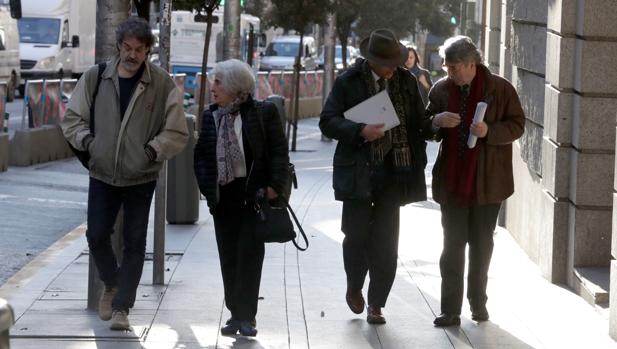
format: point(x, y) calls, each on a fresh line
point(453, 20)
point(241, 3)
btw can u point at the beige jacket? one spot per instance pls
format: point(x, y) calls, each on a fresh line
point(154, 117)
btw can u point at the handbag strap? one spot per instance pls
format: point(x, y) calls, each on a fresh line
point(306, 242)
point(259, 108)
point(99, 76)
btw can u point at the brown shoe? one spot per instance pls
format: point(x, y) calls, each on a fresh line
point(374, 315)
point(105, 302)
point(355, 301)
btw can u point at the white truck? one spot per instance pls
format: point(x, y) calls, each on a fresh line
point(9, 50)
point(57, 38)
point(188, 32)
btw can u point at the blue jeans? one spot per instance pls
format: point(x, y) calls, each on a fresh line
point(104, 202)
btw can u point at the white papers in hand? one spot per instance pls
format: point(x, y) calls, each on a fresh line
point(376, 110)
point(478, 117)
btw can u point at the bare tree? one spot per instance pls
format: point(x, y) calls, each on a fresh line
point(231, 29)
point(109, 14)
point(297, 15)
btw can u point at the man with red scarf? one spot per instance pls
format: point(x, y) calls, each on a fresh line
point(470, 183)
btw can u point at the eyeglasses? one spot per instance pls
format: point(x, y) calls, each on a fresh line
point(452, 67)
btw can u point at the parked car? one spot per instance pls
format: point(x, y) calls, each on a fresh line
point(281, 53)
point(338, 57)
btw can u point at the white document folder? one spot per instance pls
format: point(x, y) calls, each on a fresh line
point(376, 110)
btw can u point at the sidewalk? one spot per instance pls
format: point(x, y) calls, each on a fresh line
point(302, 301)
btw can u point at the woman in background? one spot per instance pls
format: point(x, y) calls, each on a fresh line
point(424, 76)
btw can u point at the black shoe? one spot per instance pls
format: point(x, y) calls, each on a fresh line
point(444, 320)
point(231, 327)
point(229, 321)
point(246, 329)
point(479, 315)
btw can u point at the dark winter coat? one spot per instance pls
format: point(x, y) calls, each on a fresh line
point(265, 150)
point(352, 177)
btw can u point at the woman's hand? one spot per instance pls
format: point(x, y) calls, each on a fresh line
point(271, 194)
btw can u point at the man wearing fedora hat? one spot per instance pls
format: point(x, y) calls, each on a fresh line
point(375, 171)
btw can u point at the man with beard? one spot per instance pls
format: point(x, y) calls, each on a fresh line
point(140, 123)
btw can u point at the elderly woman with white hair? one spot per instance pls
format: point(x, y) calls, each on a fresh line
point(241, 151)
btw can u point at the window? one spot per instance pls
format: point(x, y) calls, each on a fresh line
point(39, 30)
point(285, 49)
point(2, 39)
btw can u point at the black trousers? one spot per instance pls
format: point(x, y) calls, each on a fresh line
point(473, 226)
point(104, 203)
point(240, 254)
point(371, 229)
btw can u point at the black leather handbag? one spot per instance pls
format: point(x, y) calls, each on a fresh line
point(274, 224)
point(83, 155)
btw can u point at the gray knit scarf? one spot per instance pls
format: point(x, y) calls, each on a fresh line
point(228, 150)
point(395, 139)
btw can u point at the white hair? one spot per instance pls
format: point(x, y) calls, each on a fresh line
point(460, 49)
point(236, 77)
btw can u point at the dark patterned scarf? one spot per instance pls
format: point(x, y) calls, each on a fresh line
point(395, 139)
point(462, 162)
point(228, 150)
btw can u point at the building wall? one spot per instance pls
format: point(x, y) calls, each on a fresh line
point(559, 55)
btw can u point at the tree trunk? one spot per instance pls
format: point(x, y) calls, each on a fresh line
point(231, 25)
point(143, 8)
point(212, 4)
point(165, 33)
point(296, 92)
point(109, 14)
point(329, 54)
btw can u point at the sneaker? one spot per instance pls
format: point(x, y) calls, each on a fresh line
point(105, 303)
point(120, 321)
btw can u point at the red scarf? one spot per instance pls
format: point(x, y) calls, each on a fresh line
point(460, 172)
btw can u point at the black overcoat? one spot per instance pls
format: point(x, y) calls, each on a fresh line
point(351, 177)
point(265, 150)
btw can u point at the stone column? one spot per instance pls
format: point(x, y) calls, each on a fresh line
point(492, 35)
point(581, 104)
point(505, 56)
point(523, 213)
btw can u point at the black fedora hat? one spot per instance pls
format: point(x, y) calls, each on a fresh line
point(383, 48)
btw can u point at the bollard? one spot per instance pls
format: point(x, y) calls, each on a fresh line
point(182, 189)
point(7, 319)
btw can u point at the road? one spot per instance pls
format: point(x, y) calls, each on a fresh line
point(38, 205)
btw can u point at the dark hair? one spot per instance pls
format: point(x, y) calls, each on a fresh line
point(137, 28)
point(415, 53)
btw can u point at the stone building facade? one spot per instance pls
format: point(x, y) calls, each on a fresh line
point(561, 57)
